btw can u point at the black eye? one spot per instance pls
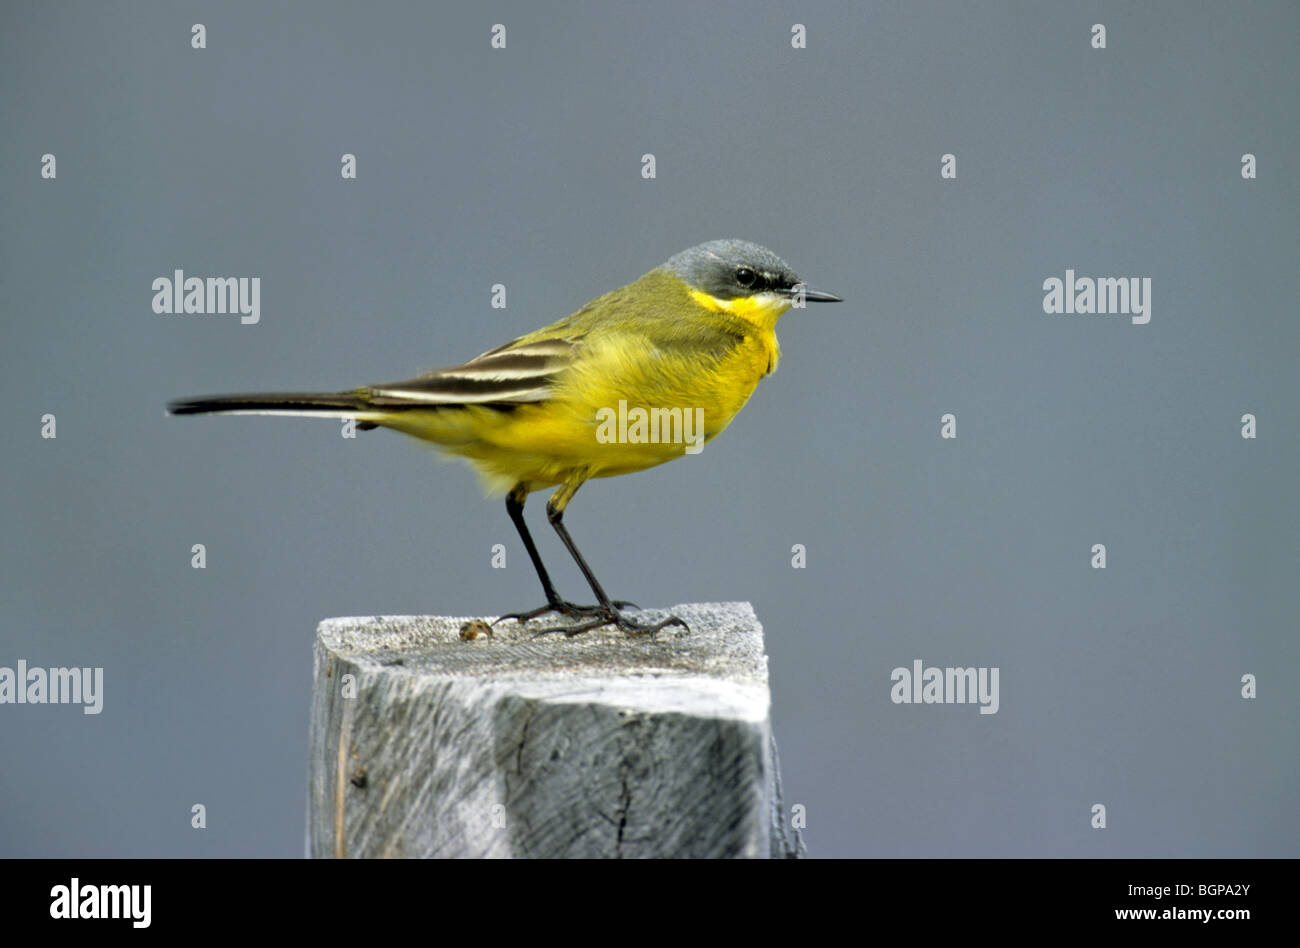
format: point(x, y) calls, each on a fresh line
point(746, 277)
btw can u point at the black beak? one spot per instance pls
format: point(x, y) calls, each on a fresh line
point(814, 296)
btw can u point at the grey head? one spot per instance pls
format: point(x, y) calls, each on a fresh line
point(728, 269)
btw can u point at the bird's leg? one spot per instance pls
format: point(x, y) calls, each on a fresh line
point(515, 508)
point(607, 612)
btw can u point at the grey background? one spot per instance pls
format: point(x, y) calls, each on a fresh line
point(522, 167)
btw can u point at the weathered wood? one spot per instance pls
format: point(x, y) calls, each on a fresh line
point(596, 746)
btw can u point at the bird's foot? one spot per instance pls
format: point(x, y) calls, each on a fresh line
point(614, 616)
point(564, 608)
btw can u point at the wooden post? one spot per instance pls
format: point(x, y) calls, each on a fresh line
point(427, 744)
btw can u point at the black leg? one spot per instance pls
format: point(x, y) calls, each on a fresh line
point(557, 521)
point(515, 508)
point(607, 612)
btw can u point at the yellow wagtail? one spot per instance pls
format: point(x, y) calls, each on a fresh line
point(677, 353)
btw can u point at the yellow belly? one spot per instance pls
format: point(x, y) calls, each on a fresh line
point(619, 409)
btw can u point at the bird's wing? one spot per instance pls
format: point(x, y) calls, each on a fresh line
point(517, 372)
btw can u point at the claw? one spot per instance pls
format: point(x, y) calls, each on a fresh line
point(605, 617)
point(525, 616)
point(569, 609)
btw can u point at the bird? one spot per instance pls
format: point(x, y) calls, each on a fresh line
point(637, 377)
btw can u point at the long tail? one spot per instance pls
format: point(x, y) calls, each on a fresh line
point(327, 405)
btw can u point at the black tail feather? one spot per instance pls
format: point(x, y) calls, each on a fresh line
point(326, 404)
